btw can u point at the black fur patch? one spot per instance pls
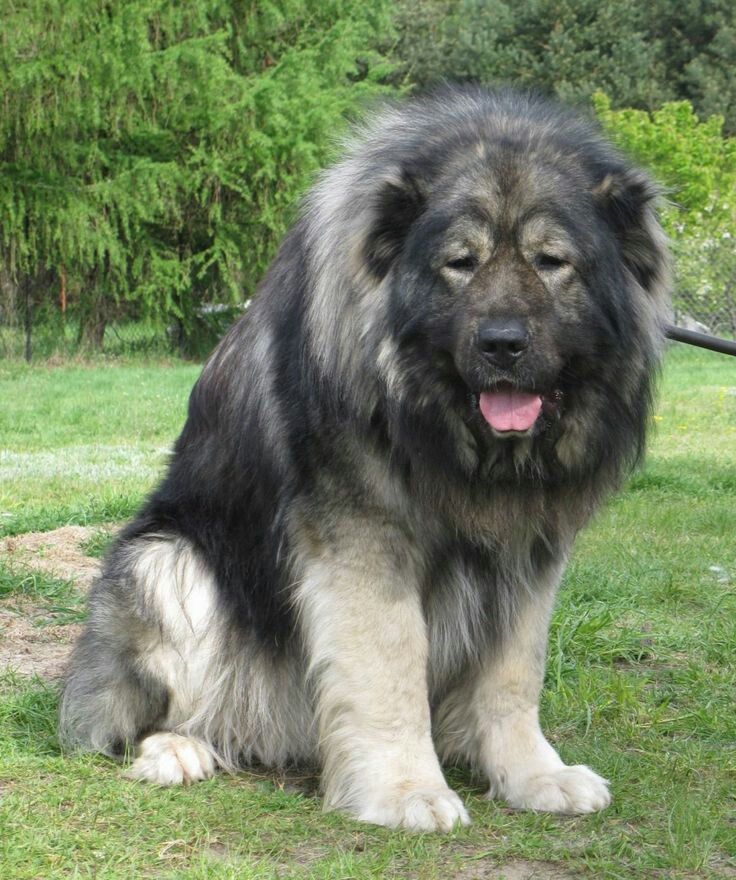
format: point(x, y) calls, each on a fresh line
point(348, 393)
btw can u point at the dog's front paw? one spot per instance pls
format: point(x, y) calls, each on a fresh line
point(170, 759)
point(570, 790)
point(418, 809)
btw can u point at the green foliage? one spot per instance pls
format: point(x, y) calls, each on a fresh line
point(697, 165)
point(687, 155)
point(151, 152)
point(641, 54)
point(696, 45)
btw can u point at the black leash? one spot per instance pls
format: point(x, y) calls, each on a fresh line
point(702, 340)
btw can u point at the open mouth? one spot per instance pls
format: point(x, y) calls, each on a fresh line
point(511, 412)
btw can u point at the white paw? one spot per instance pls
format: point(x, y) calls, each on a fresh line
point(170, 759)
point(418, 809)
point(565, 790)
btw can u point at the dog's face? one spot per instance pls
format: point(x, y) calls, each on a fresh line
point(509, 283)
point(520, 288)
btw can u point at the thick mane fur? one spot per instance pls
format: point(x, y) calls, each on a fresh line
point(336, 429)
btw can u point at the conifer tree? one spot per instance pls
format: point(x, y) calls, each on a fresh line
point(150, 151)
point(641, 53)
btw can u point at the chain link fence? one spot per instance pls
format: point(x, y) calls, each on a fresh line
point(694, 312)
point(52, 332)
point(705, 291)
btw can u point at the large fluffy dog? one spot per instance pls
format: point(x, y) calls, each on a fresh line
point(353, 556)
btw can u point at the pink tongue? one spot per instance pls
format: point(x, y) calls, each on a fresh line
point(510, 410)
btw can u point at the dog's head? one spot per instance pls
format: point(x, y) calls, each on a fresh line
point(521, 276)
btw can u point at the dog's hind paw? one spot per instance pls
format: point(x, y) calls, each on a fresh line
point(570, 790)
point(171, 759)
point(421, 809)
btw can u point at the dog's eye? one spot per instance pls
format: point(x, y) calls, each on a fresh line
point(548, 262)
point(468, 263)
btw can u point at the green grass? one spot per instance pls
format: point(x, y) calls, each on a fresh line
point(641, 679)
point(81, 444)
point(96, 545)
point(58, 600)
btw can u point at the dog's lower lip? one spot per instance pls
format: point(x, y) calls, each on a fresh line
point(552, 403)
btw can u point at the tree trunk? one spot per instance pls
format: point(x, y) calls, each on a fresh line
point(27, 284)
point(92, 331)
point(93, 318)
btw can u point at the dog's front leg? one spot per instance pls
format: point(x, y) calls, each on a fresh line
point(493, 720)
point(366, 640)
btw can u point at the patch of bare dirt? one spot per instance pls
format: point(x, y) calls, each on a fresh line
point(723, 866)
point(515, 869)
point(30, 644)
point(58, 553)
point(31, 649)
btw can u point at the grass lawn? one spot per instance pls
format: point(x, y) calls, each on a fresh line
point(81, 444)
point(641, 675)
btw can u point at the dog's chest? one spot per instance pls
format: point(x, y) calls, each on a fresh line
point(471, 596)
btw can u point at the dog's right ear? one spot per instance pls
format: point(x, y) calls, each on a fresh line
point(399, 201)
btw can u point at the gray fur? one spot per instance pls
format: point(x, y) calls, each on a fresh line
point(344, 556)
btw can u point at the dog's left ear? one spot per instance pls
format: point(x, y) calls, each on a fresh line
point(398, 203)
point(627, 198)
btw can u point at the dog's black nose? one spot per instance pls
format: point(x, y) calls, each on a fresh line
point(503, 341)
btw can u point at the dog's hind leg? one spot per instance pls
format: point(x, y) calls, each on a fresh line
point(169, 759)
point(144, 664)
point(109, 699)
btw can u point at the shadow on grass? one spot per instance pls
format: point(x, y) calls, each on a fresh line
point(28, 715)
